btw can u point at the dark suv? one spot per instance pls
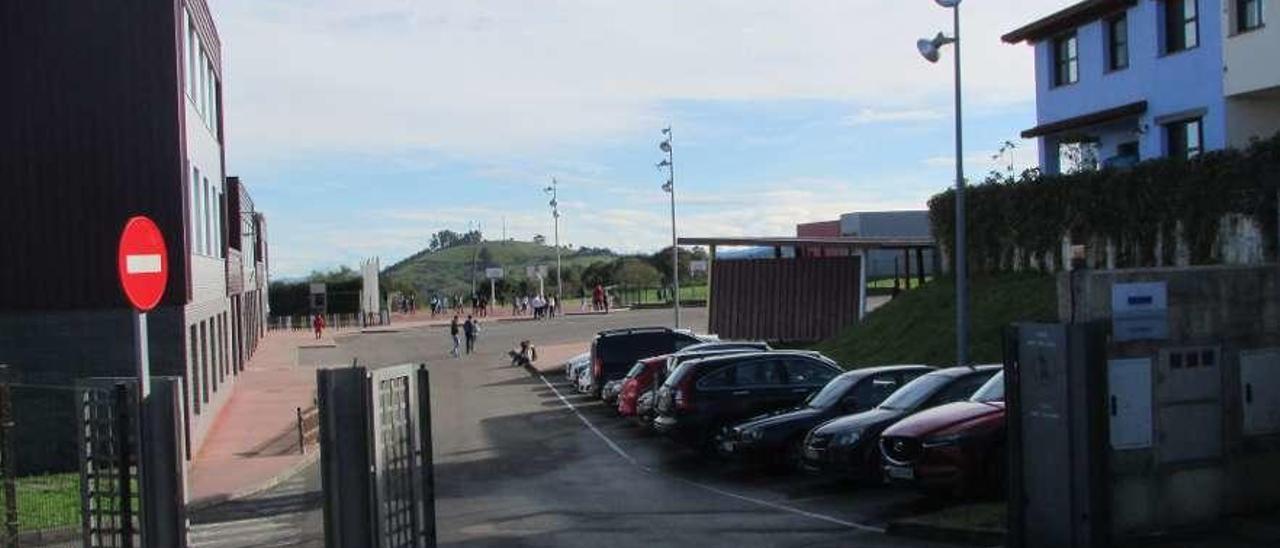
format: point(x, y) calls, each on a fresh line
point(615, 351)
point(849, 446)
point(703, 396)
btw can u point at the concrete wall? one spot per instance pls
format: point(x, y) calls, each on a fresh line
point(1233, 310)
point(1249, 57)
point(1253, 116)
point(1179, 82)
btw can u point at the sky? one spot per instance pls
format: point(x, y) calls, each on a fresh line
point(362, 127)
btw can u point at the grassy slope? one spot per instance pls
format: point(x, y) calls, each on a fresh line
point(450, 269)
point(919, 326)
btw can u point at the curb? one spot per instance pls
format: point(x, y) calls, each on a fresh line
point(277, 479)
point(975, 537)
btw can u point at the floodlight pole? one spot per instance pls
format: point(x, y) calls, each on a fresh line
point(962, 265)
point(675, 250)
point(555, 214)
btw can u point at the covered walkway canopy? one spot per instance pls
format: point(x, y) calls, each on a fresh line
point(808, 296)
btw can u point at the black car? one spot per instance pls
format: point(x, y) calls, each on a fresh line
point(615, 351)
point(779, 436)
point(848, 446)
point(702, 396)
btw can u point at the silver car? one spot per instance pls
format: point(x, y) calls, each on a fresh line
point(575, 365)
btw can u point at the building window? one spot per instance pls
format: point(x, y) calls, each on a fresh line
point(1118, 43)
point(1185, 138)
point(1066, 64)
point(194, 382)
point(207, 241)
point(1181, 25)
point(1248, 15)
point(204, 362)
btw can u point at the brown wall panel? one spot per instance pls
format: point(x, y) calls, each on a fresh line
point(784, 299)
point(91, 136)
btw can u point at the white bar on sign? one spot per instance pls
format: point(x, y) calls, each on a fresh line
point(141, 264)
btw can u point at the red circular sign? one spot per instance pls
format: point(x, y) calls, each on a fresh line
point(143, 263)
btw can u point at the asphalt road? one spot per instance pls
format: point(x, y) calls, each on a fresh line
point(524, 461)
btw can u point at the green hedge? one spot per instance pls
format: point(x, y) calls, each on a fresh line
point(1133, 206)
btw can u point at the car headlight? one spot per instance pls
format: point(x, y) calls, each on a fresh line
point(942, 441)
point(848, 438)
point(751, 434)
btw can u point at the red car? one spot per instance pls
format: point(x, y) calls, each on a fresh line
point(638, 381)
point(957, 448)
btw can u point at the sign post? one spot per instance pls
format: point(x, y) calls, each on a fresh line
point(142, 262)
point(493, 273)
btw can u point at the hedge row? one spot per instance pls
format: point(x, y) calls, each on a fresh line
point(1136, 206)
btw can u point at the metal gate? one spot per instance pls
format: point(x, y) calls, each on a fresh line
point(375, 455)
point(132, 478)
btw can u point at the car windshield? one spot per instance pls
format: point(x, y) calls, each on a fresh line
point(915, 392)
point(992, 391)
point(831, 393)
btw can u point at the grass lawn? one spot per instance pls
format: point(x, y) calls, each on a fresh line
point(48, 502)
point(652, 295)
point(919, 325)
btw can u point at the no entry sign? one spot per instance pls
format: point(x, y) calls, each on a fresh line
point(143, 262)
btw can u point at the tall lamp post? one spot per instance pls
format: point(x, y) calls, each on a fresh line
point(553, 190)
point(930, 49)
point(670, 188)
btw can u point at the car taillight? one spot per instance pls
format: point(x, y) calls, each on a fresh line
point(682, 396)
point(597, 367)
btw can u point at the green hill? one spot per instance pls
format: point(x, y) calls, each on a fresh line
point(919, 325)
point(449, 270)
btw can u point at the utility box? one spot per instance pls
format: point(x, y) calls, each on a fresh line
point(1260, 385)
point(1192, 391)
point(1129, 403)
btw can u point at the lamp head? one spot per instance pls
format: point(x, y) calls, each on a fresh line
point(929, 47)
point(948, 3)
point(665, 146)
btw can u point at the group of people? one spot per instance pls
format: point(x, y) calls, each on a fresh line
point(536, 305)
point(469, 329)
point(441, 304)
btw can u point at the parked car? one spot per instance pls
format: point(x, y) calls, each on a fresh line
point(610, 392)
point(649, 372)
point(584, 381)
point(780, 436)
point(957, 448)
point(575, 364)
point(703, 396)
point(615, 351)
point(848, 446)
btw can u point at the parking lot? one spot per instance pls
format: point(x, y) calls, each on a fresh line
point(524, 460)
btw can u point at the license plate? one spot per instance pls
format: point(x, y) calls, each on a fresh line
point(900, 472)
point(726, 446)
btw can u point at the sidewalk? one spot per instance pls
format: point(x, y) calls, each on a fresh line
point(253, 442)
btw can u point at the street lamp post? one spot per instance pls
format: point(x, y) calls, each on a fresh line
point(929, 48)
point(670, 188)
point(555, 216)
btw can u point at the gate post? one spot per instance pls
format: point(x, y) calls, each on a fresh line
point(10, 467)
point(124, 463)
point(375, 457)
point(163, 483)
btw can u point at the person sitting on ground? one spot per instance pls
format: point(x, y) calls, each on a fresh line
point(525, 355)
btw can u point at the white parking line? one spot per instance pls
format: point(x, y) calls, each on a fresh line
point(703, 486)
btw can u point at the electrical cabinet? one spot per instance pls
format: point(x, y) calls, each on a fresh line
point(1189, 404)
point(1260, 391)
point(1129, 399)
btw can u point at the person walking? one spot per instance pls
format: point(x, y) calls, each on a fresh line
point(453, 333)
point(469, 330)
point(317, 324)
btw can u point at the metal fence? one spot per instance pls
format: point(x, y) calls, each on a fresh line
point(70, 457)
point(622, 296)
point(336, 322)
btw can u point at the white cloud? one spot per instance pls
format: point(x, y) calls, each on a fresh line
point(877, 116)
point(479, 77)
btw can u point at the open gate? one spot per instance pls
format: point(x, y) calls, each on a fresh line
point(375, 457)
